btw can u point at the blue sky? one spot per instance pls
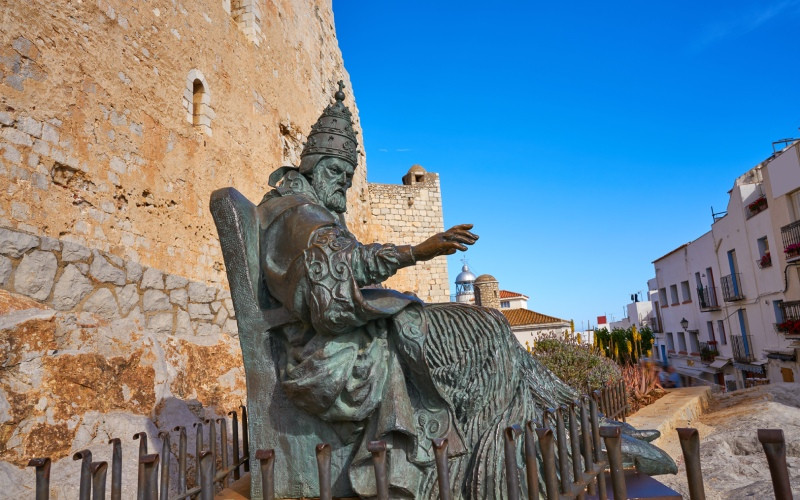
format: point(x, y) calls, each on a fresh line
point(583, 139)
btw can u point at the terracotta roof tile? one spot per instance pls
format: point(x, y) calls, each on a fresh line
point(521, 317)
point(505, 294)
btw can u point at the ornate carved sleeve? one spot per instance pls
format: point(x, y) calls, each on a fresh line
point(336, 267)
point(376, 262)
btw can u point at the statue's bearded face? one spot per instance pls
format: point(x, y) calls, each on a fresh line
point(331, 179)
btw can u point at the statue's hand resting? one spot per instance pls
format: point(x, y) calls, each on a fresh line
point(446, 243)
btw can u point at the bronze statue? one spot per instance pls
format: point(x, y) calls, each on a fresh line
point(331, 357)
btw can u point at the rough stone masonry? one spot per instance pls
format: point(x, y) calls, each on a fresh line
point(117, 121)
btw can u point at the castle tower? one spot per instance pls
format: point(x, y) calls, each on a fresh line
point(487, 291)
point(464, 288)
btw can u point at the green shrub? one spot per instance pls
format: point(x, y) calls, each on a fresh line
point(579, 365)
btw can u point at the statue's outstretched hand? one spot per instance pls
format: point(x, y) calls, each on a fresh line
point(446, 243)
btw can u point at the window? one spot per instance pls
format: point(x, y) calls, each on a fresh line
point(710, 327)
point(764, 257)
point(777, 305)
point(670, 342)
point(694, 341)
point(795, 198)
point(687, 295)
point(682, 343)
point(197, 102)
point(673, 292)
point(721, 329)
point(505, 304)
point(662, 294)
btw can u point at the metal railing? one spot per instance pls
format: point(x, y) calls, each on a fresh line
point(791, 310)
point(732, 287)
point(742, 348)
point(707, 298)
point(790, 234)
point(613, 400)
point(577, 469)
point(154, 469)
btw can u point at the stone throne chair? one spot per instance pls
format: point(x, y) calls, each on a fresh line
point(273, 421)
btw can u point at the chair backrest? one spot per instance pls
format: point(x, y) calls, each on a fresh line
point(273, 421)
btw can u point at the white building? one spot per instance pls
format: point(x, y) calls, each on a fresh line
point(717, 300)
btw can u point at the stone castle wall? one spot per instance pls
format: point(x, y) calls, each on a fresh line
point(97, 139)
point(407, 214)
point(117, 121)
point(93, 347)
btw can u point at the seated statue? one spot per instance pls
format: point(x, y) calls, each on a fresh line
point(367, 363)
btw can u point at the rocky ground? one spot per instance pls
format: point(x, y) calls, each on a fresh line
point(733, 461)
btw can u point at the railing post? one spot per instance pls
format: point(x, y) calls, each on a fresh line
point(775, 449)
point(245, 440)
point(266, 461)
point(443, 473)
point(99, 480)
point(563, 454)
point(85, 456)
point(223, 438)
point(378, 450)
point(181, 458)
point(601, 478)
point(586, 440)
point(199, 448)
point(140, 480)
point(611, 435)
point(512, 473)
point(149, 467)
point(235, 439)
point(690, 445)
point(545, 436)
point(324, 468)
point(206, 472)
point(116, 468)
point(42, 477)
point(531, 463)
point(165, 456)
point(212, 441)
point(575, 444)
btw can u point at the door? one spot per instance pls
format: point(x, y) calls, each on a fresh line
point(732, 264)
point(712, 295)
point(787, 374)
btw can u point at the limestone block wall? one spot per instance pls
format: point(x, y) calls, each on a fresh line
point(407, 214)
point(95, 144)
point(94, 346)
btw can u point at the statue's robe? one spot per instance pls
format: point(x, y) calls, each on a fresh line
point(377, 364)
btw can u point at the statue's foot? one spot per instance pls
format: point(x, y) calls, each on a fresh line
point(648, 435)
point(648, 459)
point(637, 450)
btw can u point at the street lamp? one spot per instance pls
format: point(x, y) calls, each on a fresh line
point(684, 324)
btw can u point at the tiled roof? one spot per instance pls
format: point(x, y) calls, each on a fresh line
point(522, 317)
point(505, 294)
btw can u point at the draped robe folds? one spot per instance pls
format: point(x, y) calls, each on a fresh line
point(377, 364)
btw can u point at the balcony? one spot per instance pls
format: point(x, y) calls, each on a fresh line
point(742, 348)
point(655, 325)
point(765, 261)
point(757, 206)
point(790, 234)
point(732, 288)
point(790, 326)
point(708, 351)
point(707, 298)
